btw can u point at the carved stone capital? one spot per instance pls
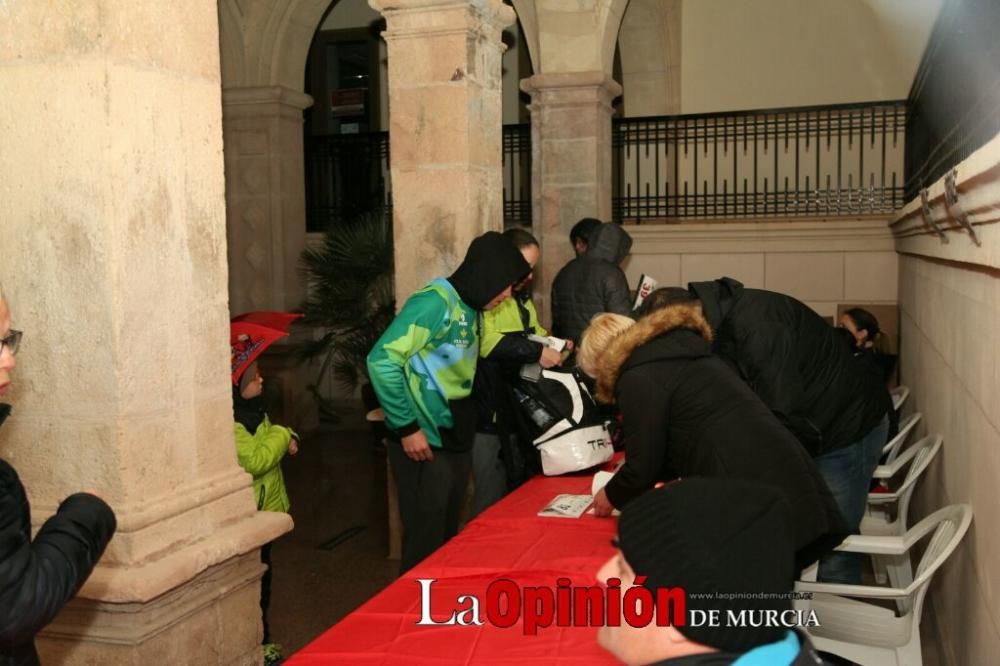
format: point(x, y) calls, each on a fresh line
point(571, 87)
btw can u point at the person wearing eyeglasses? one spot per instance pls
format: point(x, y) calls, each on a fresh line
point(38, 576)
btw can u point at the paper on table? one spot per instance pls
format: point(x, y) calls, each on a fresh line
point(567, 506)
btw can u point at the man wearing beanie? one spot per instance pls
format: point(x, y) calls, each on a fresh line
point(422, 370)
point(728, 544)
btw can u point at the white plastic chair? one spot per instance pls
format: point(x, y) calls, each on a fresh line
point(876, 522)
point(874, 635)
point(892, 447)
point(899, 396)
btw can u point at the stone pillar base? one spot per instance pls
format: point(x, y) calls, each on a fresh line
point(139, 616)
point(202, 622)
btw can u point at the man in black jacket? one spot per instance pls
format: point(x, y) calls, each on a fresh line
point(38, 577)
point(725, 546)
point(801, 369)
point(592, 283)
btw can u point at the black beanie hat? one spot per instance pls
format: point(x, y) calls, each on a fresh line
point(664, 296)
point(728, 539)
point(491, 264)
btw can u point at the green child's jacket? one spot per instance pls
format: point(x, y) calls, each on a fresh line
point(260, 454)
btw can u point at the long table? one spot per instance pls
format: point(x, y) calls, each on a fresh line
point(508, 541)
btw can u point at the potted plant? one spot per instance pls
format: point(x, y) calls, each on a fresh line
point(349, 277)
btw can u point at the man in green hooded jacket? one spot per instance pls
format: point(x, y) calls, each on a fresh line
point(422, 370)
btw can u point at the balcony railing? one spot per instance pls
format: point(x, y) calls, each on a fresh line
point(810, 161)
point(844, 160)
point(348, 175)
point(517, 174)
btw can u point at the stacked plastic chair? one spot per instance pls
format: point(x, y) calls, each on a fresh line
point(875, 635)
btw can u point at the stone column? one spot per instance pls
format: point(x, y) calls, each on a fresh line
point(265, 196)
point(571, 162)
point(444, 130)
point(114, 265)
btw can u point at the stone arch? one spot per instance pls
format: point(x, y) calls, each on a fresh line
point(231, 44)
point(266, 43)
point(528, 19)
point(609, 20)
point(649, 43)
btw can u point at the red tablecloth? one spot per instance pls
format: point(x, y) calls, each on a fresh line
point(507, 541)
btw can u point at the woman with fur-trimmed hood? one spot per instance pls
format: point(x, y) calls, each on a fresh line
point(686, 413)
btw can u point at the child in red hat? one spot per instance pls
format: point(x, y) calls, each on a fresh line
point(260, 446)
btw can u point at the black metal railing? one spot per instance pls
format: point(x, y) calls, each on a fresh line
point(348, 175)
point(952, 107)
point(517, 175)
point(812, 161)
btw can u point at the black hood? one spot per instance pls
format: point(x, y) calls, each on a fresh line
point(717, 298)
point(491, 264)
point(609, 242)
point(4, 412)
point(249, 413)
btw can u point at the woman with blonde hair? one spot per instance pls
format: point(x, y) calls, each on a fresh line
point(686, 413)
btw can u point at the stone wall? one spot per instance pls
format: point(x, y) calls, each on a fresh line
point(822, 262)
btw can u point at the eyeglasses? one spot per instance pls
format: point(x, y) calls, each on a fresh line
point(11, 342)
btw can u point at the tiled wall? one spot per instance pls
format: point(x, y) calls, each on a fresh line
point(949, 301)
point(949, 319)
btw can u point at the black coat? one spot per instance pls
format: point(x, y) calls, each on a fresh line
point(592, 283)
point(686, 413)
point(796, 362)
point(38, 577)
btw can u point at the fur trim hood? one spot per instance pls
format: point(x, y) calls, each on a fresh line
point(650, 327)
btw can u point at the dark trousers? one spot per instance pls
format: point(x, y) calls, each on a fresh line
point(430, 499)
point(265, 588)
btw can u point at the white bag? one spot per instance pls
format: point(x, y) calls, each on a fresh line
point(576, 442)
point(575, 449)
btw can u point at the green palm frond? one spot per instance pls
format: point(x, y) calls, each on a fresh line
point(350, 286)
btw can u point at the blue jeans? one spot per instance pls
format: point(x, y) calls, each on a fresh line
point(848, 473)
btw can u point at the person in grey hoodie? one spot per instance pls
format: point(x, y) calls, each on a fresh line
point(592, 283)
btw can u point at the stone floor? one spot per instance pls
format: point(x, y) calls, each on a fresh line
point(337, 488)
point(335, 559)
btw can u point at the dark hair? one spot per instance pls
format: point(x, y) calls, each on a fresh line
point(662, 297)
point(864, 321)
point(521, 238)
point(583, 229)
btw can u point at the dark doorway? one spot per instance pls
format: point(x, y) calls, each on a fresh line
point(346, 153)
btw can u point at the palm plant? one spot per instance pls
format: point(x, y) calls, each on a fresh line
point(350, 295)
